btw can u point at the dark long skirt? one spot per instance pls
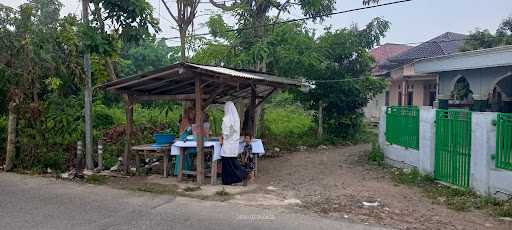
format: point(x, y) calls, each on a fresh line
point(232, 171)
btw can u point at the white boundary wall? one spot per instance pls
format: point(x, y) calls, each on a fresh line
point(485, 178)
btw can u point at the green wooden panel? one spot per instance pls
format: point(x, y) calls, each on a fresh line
point(453, 146)
point(504, 141)
point(403, 126)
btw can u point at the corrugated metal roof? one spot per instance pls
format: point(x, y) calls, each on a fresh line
point(246, 74)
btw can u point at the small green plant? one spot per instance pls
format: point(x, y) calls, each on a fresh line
point(96, 179)
point(411, 177)
point(155, 188)
point(458, 199)
point(222, 192)
point(376, 155)
point(504, 210)
point(192, 188)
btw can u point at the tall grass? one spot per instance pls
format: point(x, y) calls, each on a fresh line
point(289, 126)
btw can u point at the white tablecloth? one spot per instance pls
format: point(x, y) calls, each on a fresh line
point(257, 147)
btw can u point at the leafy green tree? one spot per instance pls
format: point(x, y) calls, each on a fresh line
point(149, 54)
point(117, 22)
point(483, 39)
point(338, 60)
point(40, 58)
point(343, 82)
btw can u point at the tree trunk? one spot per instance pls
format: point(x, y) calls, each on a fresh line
point(320, 130)
point(128, 135)
point(110, 69)
point(11, 137)
point(88, 96)
point(183, 34)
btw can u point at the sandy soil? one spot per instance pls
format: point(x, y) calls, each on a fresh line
point(334, 182)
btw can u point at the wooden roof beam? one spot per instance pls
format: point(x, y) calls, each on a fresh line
point(176, 86)
point(146, 78)
point(181, 97)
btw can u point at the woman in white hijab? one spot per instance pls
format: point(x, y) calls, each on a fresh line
point(232, 171)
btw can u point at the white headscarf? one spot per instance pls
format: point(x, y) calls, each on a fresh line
point(230, 130)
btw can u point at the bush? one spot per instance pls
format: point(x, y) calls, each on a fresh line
point(288, 126)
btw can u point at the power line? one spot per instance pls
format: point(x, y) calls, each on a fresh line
point(301, 19)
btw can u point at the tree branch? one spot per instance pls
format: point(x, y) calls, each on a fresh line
point(170, 12)
point(222, 6)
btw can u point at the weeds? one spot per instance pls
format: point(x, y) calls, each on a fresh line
point(155, 188)
point(192, 188)
point(454, 198)
point(222, 192)
point(96, 179)
point(376, 155)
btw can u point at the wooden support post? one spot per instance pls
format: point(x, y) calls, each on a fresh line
point(166, 163)
point(137, 163)
point(181, 164)
point(200, 137)
point(252, 110)
point(128, 134)
point(253, 126)
point(100, 156)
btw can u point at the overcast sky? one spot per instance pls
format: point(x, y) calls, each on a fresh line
point(412, 22)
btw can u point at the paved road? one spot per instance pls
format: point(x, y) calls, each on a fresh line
point(47, 204)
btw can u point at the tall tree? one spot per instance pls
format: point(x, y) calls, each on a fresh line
point(36, 49)
point(255, 14)
point(186, 11)
point(337, 60)
point(129, 22)
point(117, 22)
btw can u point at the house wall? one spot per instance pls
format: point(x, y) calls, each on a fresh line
point(420, 98)
point(481, 81)
point(393, 92)
point(485, 178)
point(373, 109)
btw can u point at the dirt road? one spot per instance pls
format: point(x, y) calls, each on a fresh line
point(334, 182)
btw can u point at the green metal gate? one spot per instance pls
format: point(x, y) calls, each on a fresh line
point(504, 141)
point(453, 146)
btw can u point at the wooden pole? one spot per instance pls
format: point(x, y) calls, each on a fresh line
point(200, 139)
point(78, 160)
point(11, 136)
point(252, 111)
point(320, 130)
point(88, 95)
point(100, 156)
point(128, 134)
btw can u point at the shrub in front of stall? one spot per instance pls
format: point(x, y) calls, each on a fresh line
point(288, 127)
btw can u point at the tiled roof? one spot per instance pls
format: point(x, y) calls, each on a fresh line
point(383, 52)
point(443, 44)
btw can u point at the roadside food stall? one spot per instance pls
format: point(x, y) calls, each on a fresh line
point(203, 85)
